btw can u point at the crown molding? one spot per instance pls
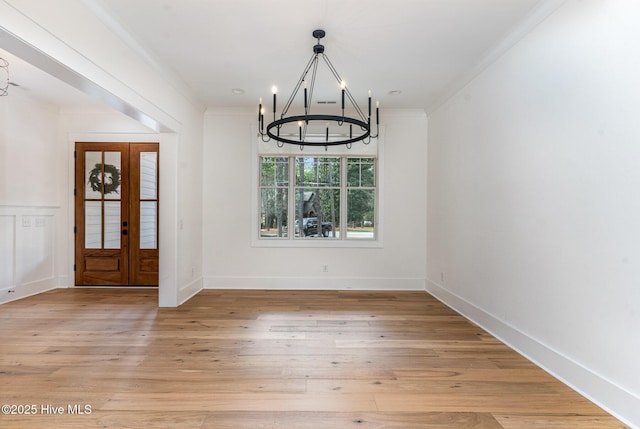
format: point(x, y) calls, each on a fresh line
point(535, 17)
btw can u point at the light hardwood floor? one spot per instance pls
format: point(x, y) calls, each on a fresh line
point(269, 359)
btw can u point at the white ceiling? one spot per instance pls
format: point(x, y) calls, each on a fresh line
point(419, 47)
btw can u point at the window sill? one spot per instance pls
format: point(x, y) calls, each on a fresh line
point(317, 243)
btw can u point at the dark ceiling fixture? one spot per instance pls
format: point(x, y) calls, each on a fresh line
point(4, 77)
point(318, 129)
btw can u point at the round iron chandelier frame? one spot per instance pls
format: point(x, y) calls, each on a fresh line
point(360, 123)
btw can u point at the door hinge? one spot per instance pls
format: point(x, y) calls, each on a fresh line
point(74, 267)
point(75, 191)
point(75, 154)
point(75, 230)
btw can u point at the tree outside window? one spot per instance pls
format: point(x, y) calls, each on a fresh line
point(274, 196)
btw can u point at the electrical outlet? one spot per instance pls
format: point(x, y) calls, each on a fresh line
point(26, 222)
point(442, 276)
point(325, 268)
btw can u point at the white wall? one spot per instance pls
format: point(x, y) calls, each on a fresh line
point(28, 151)
point(533, 201)
point(230, 260)
point(70, 40)
point(30, 207)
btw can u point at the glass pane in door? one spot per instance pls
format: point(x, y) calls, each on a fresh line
point(93, 175)
point(148, 225)
point(112, 179)
point(112, 224)
point(148, 175)
point(93, 224)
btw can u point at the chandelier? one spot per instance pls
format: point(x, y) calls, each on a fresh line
point(318, 129)
point(4, 77)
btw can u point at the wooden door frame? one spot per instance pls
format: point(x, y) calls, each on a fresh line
point(72, 201)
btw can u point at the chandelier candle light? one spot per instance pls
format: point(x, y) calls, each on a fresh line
point(282, 130)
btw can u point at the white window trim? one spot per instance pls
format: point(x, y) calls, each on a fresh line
point(290, 150)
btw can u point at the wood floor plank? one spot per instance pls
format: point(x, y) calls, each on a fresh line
point(180, 401)
point(310, 420)
point(270, 359)
point(515, 421)
point(497, 403)
point(488, 387)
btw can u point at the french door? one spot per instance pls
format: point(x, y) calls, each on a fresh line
point(116, 214)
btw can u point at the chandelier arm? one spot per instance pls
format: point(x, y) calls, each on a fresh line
point(312, 84)
point(298, 85)
point(339, 80)
point(355, 105)
point(310, 96)
point(377, 132)
point(262, 135)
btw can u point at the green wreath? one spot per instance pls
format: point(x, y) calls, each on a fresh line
point(111, 178)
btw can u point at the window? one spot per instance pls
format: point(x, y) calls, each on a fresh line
point(361, 196)
point(274, 197)
point(327, 197)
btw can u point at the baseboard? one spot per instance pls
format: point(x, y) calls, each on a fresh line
point(610, 397)
point(64, 282)
point(187, 292)
point(314, 283)
point(24, 290)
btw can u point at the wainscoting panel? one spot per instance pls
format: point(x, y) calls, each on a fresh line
point(27, 251)
point(7, 251)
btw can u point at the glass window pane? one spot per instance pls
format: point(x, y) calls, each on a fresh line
point(93, 175)
point(317, 207)
point(274, 171)
point(361, 213)
point(148, 225)
point(93, 224)
point(317, 171)
point(148, 175)
point(361, 172)
point(112, 225)
point(274, 203)
point(112, 179)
